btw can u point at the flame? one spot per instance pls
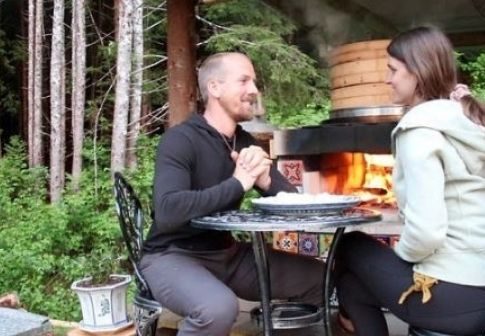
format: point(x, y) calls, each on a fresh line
point(342, 172)
point(377, 188)
point(366, 175)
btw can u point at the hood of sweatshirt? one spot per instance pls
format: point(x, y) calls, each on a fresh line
point(447, 117)
point(201, 124)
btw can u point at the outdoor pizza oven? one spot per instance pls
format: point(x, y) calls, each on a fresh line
point(350, 153)
point(342, 158)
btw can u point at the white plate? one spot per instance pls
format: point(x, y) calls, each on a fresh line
point(285, 203)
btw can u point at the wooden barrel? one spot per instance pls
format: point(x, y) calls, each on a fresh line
point(357, 75)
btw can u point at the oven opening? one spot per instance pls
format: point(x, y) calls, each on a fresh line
point(366, 175)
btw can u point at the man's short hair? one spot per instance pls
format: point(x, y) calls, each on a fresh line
point(212, 68)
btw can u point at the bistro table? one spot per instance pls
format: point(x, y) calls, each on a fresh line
point(256, 222)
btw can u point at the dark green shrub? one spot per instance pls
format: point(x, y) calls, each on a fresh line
point(474, 67)
point(45, 247)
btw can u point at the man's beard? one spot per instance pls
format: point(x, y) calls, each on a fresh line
point(244, 112)
point(248, 113)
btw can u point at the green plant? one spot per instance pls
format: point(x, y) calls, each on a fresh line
point(310, 115)
point(45, 247)
point(474, 66)
point(11, 51)
point(99, 266)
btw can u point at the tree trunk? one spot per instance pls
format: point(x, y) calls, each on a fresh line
point(30, 81)
point(116, 12)
point(181, 59)
point(24, 68)
point(137, 81)
point(78, 94)
point(122, 89)
point(58, 104)
point(36, 151)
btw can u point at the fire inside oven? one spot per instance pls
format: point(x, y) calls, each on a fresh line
point(366, 175)
point(341, 158)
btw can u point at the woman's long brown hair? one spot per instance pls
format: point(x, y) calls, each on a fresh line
point(428, 54)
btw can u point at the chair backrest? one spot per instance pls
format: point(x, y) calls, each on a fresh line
point(130, 216)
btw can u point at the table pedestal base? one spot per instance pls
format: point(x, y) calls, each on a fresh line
point(290, 315)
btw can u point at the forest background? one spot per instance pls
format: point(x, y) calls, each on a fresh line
point(57, 214)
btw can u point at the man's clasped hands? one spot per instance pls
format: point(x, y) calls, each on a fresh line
point(252, 167)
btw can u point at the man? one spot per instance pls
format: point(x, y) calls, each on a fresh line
point(205, 165)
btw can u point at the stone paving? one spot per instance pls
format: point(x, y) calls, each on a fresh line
point(396, 328)
point(17, 322)
point(244, 326)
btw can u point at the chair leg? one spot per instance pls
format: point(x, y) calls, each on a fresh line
point(146, 321)
point(153, 329)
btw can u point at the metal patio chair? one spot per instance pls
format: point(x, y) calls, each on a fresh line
point(130, 215)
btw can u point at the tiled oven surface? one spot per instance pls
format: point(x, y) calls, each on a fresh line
point(311, 244)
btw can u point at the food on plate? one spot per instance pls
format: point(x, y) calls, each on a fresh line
point(294, 199)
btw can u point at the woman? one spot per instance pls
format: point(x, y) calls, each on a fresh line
point(435, 276)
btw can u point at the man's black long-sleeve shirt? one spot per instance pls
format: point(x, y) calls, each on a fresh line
point(193, 178)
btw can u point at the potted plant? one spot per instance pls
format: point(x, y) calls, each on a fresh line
point(102, 296)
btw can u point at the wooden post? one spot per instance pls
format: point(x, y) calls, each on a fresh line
point(182, 93)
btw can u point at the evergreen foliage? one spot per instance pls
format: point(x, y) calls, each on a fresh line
point(9, 54)
point(475, 68)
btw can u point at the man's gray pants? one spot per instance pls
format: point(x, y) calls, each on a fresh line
point(203, 286)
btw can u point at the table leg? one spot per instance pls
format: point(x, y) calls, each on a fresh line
point(327, 278)
point(261, 258)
